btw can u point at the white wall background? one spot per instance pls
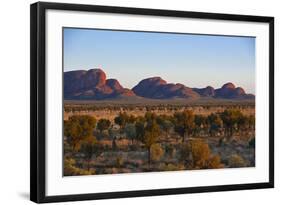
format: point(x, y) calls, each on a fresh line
point(14, 102)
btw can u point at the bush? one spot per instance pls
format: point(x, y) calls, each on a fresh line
point(119, 161)
point(236, 161)
point(215, 162)
point(196, 153)
point(156, 152)
point(71, 170)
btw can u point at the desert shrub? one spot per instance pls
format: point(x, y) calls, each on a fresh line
point(156, 152)
point(196, 153)
point(236, 161)
point(114, 171)
point(71, 170)
point(200, 153)
point(214, 162)
point(90, 147)
point(119, 161)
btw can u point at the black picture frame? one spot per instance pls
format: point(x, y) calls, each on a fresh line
point(38, 101)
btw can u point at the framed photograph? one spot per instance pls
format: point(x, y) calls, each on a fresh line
point(129, 102)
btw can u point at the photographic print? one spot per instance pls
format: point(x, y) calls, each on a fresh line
point(139, 101)
point(132, 102)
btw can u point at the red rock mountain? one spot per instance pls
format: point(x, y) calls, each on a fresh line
point(229, 91)
point(93, 85)
point(158, 88)
point(206, 92)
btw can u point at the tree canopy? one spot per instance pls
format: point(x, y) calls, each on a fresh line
point(77, 128)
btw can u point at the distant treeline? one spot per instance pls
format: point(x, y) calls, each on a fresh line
point(146, 108)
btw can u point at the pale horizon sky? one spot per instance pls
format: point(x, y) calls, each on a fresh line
point(193, 60)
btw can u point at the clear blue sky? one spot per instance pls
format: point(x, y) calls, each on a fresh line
point(194, 60)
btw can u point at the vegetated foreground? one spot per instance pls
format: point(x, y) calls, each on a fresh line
point(109, 138)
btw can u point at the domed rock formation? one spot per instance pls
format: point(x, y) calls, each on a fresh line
point(95, 77)
point(157, 88)
point(92, 85)
point(148, 87)
point(113, 84)
point(229, 91)
point(209, 91)
point(228, 86)
point(240, 91)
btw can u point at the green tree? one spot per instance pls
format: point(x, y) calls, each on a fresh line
point(90, 147)
point(77, 128)
point(165, 124)
point(121, 119)
point(130, 131)
point(150, 116)
point(215, 123)
point(236, 161)
point(184, 123)
point(140, 129)
point(103, 124)
point(151, 135)
point(200, 123)
point(230, 118)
